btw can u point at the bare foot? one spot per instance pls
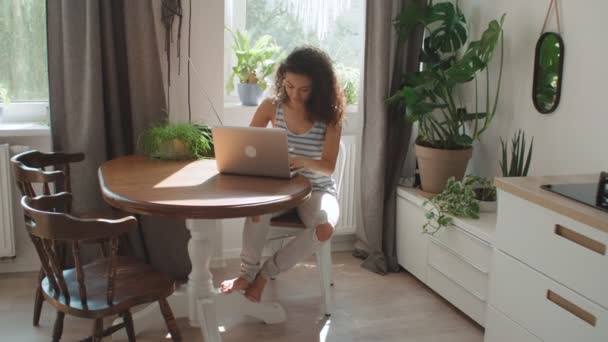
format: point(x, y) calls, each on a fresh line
point(254, 291)
point(236, 284)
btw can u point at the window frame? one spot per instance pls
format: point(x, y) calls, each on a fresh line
point(237, 21)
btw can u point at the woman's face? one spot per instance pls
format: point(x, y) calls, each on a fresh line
point(298, 87)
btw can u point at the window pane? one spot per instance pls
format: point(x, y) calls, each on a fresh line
point(342, 39)
point(23, 54)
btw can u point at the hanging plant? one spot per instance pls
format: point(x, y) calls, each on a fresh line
point(169, 10)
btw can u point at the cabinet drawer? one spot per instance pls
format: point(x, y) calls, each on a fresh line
point(458, 269)
point(457, 295)
point(542, 306)
point(472, 249)
point(566, 250)
point(500, 328)
point(411, 242)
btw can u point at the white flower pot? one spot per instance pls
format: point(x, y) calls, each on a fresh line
point(487, 206)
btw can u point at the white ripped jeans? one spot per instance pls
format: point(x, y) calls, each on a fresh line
point(321, 208)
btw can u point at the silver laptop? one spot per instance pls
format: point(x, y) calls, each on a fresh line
point(252, 151)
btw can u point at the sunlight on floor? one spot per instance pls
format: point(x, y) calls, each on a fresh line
point(324, 331)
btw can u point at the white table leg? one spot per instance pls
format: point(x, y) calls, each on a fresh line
point(212, 309)
point(200, 301)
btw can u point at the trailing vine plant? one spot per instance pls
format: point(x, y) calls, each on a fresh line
point(458, 199)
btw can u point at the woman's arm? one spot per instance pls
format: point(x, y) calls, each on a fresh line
point(264, 114)
point(327, 163)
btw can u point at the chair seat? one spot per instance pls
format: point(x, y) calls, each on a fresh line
point(135, 283)
point(289, 219)
point(108, 214)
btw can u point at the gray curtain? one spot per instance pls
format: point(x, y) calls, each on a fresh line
point(105, 87)
point(385, 133)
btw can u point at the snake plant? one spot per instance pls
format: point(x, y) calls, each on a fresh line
point(520, 163)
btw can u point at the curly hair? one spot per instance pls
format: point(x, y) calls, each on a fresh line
point(326, 102)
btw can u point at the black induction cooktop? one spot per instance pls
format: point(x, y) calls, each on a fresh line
point(592, 194)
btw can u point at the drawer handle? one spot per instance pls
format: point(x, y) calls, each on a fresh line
point(580, 239)
point(571, 307)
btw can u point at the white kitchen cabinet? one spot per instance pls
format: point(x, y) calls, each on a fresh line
point(455, 262)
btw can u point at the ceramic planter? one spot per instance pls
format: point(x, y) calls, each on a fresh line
point(249, 93)
point(487, 206)
point(437, 165)
point(173, 150)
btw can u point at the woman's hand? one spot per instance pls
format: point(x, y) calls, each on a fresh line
point(298, 162)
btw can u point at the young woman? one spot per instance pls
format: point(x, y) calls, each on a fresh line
point(309, 104)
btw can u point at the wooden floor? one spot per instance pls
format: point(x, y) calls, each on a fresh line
point(369, 307)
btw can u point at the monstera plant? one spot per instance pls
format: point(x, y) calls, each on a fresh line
point(431, 97)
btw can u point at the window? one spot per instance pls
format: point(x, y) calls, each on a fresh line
point(335, 26)
point(23, 58)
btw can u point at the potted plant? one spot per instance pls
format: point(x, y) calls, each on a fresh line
point(456, 199)
point(254, 62)
point(430, 97)
point(466, 198)
point(485, 193)
point(520, 163)
point(174, 141)
point(349, 78)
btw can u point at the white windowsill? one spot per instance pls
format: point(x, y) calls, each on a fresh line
point(24, 129)
point(23, 119)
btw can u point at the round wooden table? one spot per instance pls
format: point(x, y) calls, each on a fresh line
point(194, 190)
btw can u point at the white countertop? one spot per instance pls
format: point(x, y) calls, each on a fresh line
point(483, 228)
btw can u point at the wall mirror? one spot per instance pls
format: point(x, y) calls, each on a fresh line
point(548, 63)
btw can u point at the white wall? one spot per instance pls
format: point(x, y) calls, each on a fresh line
point(571, 140)
point(26, 259)
point(206, 71)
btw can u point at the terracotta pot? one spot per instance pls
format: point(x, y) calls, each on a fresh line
point(437, 165)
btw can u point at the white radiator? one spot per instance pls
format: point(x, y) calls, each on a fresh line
point(7, 184)
point(346, 170)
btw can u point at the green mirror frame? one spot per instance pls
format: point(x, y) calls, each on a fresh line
point(548, 67)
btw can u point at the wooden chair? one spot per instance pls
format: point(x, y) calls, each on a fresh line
point(105, 287)
point(287, 225)
point(30, 170)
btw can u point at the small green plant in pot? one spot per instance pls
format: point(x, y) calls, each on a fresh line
point(465, 198)
point(176, 141)
point(430, 97)
point(349, 78)
point(254, 62)
point(485, 193)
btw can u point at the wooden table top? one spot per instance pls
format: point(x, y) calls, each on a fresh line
point(529, 188)
point(194, 189)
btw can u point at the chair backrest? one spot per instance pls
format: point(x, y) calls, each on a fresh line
point(49, 226)
point(31, 167)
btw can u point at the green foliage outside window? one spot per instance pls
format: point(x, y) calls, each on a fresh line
point(343, 44)
point(23, 56)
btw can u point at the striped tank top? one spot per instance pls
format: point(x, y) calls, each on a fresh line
point(307, 145)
